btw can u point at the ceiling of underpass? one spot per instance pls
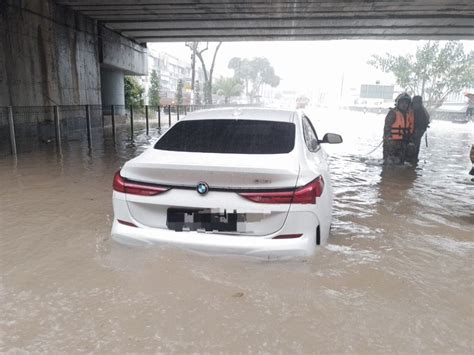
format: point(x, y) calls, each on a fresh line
point(237, 20)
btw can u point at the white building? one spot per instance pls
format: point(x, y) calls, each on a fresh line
point(170, 70)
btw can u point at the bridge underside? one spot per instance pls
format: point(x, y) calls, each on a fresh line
point(237, 20)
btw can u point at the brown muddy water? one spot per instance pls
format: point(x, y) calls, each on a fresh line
point(396, 276)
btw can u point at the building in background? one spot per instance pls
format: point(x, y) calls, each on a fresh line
point(170, 70)
point(457, 107)
point(375, 95)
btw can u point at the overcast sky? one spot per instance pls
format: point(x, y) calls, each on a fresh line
point(306, 65)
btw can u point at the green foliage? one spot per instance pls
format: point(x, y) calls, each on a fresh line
point(242, 71)
point(256, 71)
point(434, 72)
point(133, 92)
point(179, 92)
point(227, 87)
point(154, 91)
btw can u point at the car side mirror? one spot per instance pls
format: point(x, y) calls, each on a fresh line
point(331, 138)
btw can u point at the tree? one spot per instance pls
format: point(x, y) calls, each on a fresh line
point(154, 91)
point(194, 46)
point(197, 93)
point(133, 92)
point(227, 87)
point(433, 73)
point(179, 92)
point(242, 71)
point(257, 71)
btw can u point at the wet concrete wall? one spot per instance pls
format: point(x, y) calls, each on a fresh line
point(52, 55)
point(48, 55)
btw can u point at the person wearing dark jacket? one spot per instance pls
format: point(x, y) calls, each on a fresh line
point(471, 155)
point(422, 121)
point(398, 130)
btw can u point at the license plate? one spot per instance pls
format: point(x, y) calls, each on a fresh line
point(179, 220)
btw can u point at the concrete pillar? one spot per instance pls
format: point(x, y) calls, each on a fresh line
point(112, 87)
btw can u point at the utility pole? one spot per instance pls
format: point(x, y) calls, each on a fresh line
point(342, 87)
point(193, 47)
point(193, 66)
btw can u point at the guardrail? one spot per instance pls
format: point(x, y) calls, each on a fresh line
point(25, 128)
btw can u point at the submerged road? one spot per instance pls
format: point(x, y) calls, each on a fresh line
point(396, 276)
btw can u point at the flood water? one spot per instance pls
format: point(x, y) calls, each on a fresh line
point(396, 276)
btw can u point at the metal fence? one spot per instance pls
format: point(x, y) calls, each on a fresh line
point(24, 129)
point(4, 130)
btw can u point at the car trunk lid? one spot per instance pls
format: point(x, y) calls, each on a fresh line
point(222, 209)
point(222, 171)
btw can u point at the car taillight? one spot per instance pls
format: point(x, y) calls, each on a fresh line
point(268, 197)
point(308, 193)
point(303, 195)
point(136, 188)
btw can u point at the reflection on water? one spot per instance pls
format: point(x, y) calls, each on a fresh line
point(396, 276)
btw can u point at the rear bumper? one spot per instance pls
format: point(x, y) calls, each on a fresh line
point(262, 246)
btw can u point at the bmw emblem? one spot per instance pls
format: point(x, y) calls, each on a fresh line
point(202, 188)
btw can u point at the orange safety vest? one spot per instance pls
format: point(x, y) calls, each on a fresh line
point(403, 127)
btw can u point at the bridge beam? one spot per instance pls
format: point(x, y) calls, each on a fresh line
point(227, 20)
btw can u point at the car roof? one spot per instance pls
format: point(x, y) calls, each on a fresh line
point(243, 113)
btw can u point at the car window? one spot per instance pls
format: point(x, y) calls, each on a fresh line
point(230, 136)
point(310, 137)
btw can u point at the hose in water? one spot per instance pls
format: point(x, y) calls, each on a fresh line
point(373, 150)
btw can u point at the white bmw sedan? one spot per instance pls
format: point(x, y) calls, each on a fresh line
point(241, 181)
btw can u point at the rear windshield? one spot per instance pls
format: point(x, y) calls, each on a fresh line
point(229, 136)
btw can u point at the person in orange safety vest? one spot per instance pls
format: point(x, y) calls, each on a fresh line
point(398, 131)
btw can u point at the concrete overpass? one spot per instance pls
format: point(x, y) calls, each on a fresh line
point(76, 52)
point(237, 20)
